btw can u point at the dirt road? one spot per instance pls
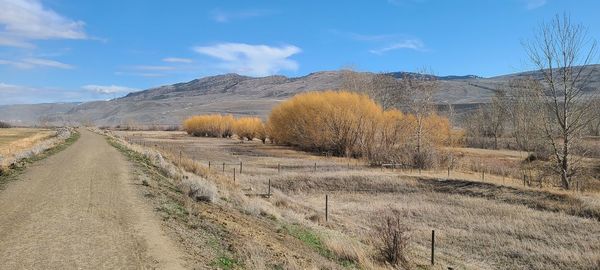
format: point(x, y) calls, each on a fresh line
point(79, 209)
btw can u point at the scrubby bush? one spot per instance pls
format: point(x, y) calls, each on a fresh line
point(393, 238)
point(336, 122)
point(352, 124)
point(248, 127)
point(339, 123)
point(213, 125)
point(225, 126)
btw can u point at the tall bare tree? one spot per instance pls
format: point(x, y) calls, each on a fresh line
point(382, 87)
point(562, 51)
point(522, 106)
point(387, 91)
point(419, 89)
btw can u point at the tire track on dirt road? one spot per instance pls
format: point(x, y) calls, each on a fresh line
point(79, 209)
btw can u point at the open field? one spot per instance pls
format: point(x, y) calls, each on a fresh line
point(15, 141)
point(481, 222)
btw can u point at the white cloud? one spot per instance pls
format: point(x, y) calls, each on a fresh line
point(29, 63)
point(412, 44)
point(221, 16)
point(177, 60)
point(19, 94)
point(533, 4)
point(26, 20)
point(108, 89)
point(9, 88)
point(253, 60)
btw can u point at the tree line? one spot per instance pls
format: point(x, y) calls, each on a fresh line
point(225, 126)
point(340, 123)
point(547, 113)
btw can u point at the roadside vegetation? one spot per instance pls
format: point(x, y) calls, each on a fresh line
point(23, 150)
point(361, 177)
point(214, 218)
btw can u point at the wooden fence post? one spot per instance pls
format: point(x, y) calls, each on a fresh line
point(315, 167)
point(278, 168)
point(179, 156)
point(448, 171)
point(483, 176)
point(209, 165)
point(223, 166)
point(234, 175)
point(326, 208)
point(432, 247)
point(240, 167)
point(269, 190)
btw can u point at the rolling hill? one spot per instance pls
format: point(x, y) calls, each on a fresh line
point(238, 95)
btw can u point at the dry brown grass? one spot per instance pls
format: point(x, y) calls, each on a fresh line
point(480, 224)
point(14, 142)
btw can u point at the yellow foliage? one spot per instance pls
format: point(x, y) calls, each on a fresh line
point(213, 125)
point(249, 128)
point(437, 130)
point(338, 122)
point(348, 123)
point(325, 121)
point(216, 125)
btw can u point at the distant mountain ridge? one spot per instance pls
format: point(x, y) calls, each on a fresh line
point(238, 95)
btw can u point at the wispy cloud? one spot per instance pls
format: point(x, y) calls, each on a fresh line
point(23, 21)
point(19, 94)
point(362, 37)
point(108, 89)
point(411, 44)
point(29, 63)
point(253, 60)
point(177, 60)
point(533, 4)
point(222, 16)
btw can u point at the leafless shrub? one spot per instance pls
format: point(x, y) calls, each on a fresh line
point(200, 190)
point(393, 238)
point(4, 125)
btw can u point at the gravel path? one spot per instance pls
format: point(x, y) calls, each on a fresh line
point(79, 209)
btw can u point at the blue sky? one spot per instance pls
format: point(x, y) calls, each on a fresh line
point(59, 50)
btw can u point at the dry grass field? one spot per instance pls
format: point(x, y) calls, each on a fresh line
point(486, 221)
point(16, 140)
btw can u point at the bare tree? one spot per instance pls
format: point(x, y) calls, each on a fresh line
point(355, 81)
point(594, 124)
point(523, 107)
point(419, 90)
point(562, 52)
point(486, 122)
point(387, 91)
